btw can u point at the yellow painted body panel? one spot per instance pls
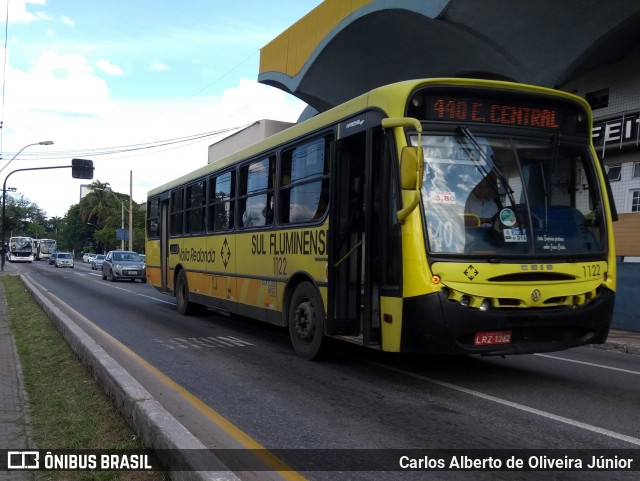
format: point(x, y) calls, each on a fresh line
point(391, 323)
point(250, 268)
point(481, 281)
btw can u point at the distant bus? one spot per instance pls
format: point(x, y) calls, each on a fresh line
point(428, 216)
point(43, 248)
point(20, 249)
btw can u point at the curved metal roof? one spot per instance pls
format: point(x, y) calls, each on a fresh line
point(344, 48)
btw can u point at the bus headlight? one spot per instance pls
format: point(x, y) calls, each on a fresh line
point(485, 305)
point(465, 301)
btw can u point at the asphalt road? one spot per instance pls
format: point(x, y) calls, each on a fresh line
point(235, 382)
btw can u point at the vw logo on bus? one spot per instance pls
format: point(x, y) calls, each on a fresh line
point(536, 294)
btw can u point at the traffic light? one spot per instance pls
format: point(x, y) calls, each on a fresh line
point(82, 169)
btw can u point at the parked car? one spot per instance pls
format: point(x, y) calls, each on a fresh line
point(86, 259)
point(123, 265)
point(52, 259)
point(96, 262)
point(63, 259)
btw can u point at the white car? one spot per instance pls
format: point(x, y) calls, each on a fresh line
point(63, 259)
point(88, 257)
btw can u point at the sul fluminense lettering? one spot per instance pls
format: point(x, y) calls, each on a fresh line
point(306, 242)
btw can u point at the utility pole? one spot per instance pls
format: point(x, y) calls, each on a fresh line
point(130, 210)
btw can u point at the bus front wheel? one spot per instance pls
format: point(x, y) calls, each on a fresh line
point(306, 321)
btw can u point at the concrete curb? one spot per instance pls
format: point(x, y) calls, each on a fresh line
point(158, 429)
point(618, 346)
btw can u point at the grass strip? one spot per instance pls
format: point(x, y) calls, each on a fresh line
point(67, 408)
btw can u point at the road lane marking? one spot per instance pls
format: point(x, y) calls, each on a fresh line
point(601, 366)
point(200, 342)
point(155, 298)
point(111, 285)
point(518, 406)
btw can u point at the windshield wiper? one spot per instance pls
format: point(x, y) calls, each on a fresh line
point(547, 182)
point(476, 147)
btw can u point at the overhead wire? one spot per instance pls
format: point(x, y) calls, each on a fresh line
point(104, 151)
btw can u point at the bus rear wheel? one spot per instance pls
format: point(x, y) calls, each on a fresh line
point(306, 321)
point(184, 305)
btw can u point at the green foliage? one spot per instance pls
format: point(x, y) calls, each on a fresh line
point(89, 225)
point(23, 217)
point(109, 211)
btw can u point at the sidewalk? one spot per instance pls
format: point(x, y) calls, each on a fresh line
point(14, 415)
point(622, 341)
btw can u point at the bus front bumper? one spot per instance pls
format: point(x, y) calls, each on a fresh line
point(434, 324)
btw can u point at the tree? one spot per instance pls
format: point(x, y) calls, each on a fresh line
point(95, 205)
point(75, 232)
point(104, 209)
point(23, 217)
point(53, 225)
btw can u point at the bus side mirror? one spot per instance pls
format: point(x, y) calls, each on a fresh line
point(411, 167)
point(411, 164)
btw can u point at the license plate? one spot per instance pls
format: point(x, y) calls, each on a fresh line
point(133, 273)
point(489, 338)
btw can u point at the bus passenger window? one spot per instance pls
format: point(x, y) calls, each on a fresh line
point(177, 212)
point(195, 199)
point(256, 193)
point(304, 183)
point(221, 202)
point(153, 216)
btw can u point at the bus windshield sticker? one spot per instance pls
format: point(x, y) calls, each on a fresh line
point(508, 217)
point(442, 197)
point(515, 235)
point(450, 155)
point(552, 243)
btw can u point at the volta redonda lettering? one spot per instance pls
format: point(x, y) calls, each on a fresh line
point(306, 242)
point(197, 255)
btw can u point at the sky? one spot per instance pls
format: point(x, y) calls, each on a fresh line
point(134, 85)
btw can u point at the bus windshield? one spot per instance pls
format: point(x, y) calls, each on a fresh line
point(501, 196)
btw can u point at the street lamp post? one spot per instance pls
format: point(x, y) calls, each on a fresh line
point(4, 195)
point(43, 142)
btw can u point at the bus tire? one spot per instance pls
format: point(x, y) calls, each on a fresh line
point(306, 321)
point(184, 305)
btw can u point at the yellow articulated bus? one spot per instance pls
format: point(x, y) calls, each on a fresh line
point(439, 216)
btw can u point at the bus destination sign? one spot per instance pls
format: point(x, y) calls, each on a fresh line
point(490, 111)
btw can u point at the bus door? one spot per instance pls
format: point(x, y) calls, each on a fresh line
point(164, 243)
point(352, 293)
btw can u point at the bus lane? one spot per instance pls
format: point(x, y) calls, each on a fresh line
point(356, 399)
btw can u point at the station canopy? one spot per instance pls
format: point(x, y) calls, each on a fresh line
point(343, 48)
